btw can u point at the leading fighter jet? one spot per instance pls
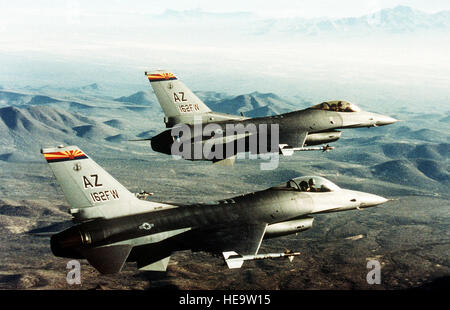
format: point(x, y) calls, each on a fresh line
point(220, 136)
point(112, 226)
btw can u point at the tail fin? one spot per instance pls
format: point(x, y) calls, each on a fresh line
point(178, 102)
point(89, 189)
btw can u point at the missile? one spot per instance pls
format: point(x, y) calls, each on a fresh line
point(235, 260)
point(289, 151)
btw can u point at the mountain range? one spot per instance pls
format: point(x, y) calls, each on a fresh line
point(253, 105)
point(403, 154)
point(400, 19)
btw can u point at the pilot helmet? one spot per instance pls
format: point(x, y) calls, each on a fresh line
point(303, 185)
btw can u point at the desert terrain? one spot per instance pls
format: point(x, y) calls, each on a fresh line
point(407, 162)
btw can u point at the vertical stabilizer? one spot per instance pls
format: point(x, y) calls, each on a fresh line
point(178, 102)
point(89, 189)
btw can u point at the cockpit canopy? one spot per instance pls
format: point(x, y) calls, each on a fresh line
point(337, 105)
point(309, 184)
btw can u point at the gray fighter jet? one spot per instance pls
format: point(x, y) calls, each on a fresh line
point(112, 226)
point(232, 134)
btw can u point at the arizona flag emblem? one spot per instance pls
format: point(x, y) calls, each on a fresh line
point(164, 76)
point(63, 156)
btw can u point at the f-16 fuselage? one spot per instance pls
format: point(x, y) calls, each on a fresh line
point(220, 136)
point(284, 204)
point(309, 127)
point(237, 224)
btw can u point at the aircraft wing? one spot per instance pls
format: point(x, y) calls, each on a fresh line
point(244, 239)
point(293, 139)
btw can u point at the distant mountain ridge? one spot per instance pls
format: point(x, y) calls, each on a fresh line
point(400, 19)
point(394, 19)
point(140, 98)
point(23, 130)
point(410, 154)
point(198, 13)
point(253, 105)
point(84, 89)
point(39, 120)
point(91, 87)
point(13, 98)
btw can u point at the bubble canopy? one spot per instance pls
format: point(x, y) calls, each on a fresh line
point(337, 105)
point(309, 184)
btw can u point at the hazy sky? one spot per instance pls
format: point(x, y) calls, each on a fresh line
point(308, 8)
point(114, 41)
point(279, 8)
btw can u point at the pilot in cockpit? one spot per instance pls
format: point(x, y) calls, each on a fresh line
point(303, 186)
point(337, 106)
point(311, 185)
point(323, 188)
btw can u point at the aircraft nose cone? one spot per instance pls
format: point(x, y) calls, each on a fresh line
point(385, 120)
point(370, 200)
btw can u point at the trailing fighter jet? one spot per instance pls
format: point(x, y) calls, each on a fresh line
point(220, 136)
point(112, 226)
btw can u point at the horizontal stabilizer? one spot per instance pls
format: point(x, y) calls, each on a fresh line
point(226, 162)
point(233, 259)
point(140, 140)
point(160, 265)
point(53, 229)
point(108, 259)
